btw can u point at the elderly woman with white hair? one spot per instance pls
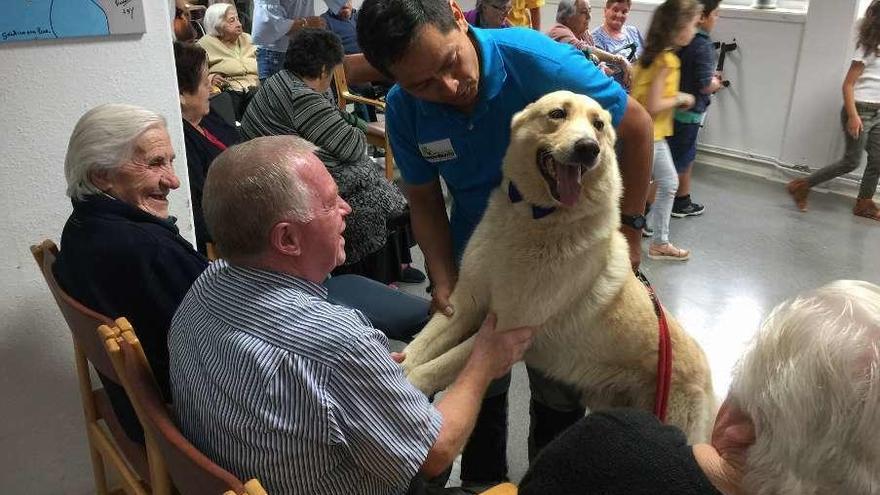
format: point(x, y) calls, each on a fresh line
point(232, 56)
point(801, 417)
point(121, 253)
point(573, 27)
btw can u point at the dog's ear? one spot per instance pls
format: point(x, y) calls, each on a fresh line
point(606, 116)
point(518, 116)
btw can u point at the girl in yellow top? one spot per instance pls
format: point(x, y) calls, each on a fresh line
point(655, 86)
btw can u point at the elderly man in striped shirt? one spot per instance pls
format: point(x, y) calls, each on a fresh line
point(271, 380)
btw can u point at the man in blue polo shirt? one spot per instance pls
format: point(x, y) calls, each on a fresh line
point(449, 116)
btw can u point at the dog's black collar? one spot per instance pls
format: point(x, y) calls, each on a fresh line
point(515, 196)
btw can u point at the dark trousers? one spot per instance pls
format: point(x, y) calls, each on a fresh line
point(868, 140)
point(553, 408)
point(396, 314)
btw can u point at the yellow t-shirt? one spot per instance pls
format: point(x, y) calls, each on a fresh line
point(642, 78)
point(519, 12)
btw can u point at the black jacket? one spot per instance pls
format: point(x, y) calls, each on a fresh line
point(121, 261)
point(199, 154)
point(617, 452)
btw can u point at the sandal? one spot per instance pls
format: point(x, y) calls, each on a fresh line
point(866, 208)
point(668, 252)
point(799, 189)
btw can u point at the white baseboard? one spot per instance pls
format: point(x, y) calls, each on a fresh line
point(771, 169)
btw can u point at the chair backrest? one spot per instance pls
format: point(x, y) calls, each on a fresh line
point(81, 320)
point(190, 470)
point(341, 86)
point(359, 71)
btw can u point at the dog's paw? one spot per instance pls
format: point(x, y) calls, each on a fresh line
point(422, 379)
point(415, 355)
point(408, 366)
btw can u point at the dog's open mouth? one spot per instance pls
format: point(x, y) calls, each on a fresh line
point(563, 179)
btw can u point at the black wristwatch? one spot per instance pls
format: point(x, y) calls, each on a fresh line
point(635, 221)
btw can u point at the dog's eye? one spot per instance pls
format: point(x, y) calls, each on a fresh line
point(557, 113)
point(598, 124)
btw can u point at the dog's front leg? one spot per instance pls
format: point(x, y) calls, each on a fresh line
point(443, 333)
point(440, 372)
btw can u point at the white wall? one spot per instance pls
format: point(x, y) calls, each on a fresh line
point(47, 86)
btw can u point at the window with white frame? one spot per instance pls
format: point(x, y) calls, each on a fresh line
point(800, 5)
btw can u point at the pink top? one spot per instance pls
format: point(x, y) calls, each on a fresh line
point(473, 17)
point(562, 34)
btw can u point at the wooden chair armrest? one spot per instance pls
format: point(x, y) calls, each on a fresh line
point(349, 96)
point(254, 487)
point(502, 489)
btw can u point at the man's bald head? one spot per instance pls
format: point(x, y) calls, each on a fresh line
point(251, 186)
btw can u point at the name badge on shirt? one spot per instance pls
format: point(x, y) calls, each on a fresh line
point(438, 151)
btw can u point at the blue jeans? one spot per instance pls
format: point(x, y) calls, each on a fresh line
point(269, 62)
point(666, 180)
point(396, 314)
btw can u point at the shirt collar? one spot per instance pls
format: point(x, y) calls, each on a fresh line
point(104, 204)
point(492, 75)
point(285, 280)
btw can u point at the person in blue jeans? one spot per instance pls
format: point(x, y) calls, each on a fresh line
point(699, 79)
point(449, 116)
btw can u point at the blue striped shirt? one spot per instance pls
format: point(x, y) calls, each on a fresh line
point(272, 381)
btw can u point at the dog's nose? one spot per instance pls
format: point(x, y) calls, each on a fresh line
point(585, 150)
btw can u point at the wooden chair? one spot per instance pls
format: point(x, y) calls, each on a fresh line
point(173, 459)
point(113, 446)
point(376, 135)
point(213, 253)
point(502, 489)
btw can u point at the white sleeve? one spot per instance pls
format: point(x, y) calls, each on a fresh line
point(270, 20)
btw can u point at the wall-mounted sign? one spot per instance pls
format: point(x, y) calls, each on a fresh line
point(25, 20)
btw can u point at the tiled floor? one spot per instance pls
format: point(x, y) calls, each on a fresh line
point(750, 250)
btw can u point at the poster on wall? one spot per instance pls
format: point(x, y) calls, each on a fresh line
point(27, 20)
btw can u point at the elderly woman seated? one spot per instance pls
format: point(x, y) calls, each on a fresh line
point(295, 101)
point(572, 27)
point(489, 14)
point(232, 57)
point(616, 36)
point(121, 253)
point(801, 417)
point(205, 133)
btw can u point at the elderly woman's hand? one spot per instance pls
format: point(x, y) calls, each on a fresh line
point(219, 82)
point(627, 73)
point(622, 64)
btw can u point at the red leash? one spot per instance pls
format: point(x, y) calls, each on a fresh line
point(664, 354)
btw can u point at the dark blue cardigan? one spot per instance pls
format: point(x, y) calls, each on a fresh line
point(121, 261)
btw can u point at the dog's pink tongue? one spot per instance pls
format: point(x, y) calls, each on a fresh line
point(568, 184)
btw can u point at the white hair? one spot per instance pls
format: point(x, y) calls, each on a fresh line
point(565, 9)
point(103, 139)
point(215, 15)
point(811, 384)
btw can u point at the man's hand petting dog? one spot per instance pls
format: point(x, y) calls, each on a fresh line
point(496, 351)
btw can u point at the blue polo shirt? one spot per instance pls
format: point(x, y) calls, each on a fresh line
point(517, 66)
